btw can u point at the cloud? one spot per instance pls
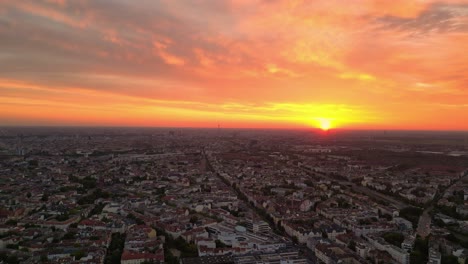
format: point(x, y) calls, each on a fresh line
point(22, 97)
point(160, 49)
point(357, 76)
point(438, 18)
point(226, 53)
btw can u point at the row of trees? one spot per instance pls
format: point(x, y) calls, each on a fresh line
point(115, 250)
point(411, 214)
point(187, 250)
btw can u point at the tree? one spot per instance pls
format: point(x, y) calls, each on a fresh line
point(411, 214)
point(220, 244)
point(12, 246)
point(295, 240)
point(45, 197)
point(342, 203)
point(114, 252)
point(33, 163)
point(169, 258)
point(449, 259)
point(11, 222)
point(62, 217)
point(420, 251)
point(78, 254)
point(324, 234)
point(69, 235)
point(136, 219)
point(352, 245)
point(394, 238)
point(193, 219)
point(12, 260)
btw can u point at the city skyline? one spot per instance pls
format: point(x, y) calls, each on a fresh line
point(395, 65)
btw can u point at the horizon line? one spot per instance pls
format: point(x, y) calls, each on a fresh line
point(240, 128)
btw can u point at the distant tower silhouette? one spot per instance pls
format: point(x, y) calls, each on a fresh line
point(19, 145)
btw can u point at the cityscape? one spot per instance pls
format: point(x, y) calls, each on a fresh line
point(148, 195)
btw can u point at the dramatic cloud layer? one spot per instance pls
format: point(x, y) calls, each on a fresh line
point(241, 63)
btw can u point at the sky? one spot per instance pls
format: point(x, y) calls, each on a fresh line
point(358, 64)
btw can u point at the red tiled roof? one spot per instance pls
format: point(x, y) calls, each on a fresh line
point(132, 255)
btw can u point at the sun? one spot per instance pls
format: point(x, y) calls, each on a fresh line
point(324, 123)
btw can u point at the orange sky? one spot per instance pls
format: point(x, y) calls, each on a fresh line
point(366, 64)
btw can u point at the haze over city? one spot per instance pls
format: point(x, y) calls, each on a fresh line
point(233, 132)
point(253, 64)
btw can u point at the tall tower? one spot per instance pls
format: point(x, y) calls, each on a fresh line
point(19, 145)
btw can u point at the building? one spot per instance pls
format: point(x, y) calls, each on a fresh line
point(434, 256)
point(258, 227)
point(224, 259)
point(333, 253)
point(132, 257)
point(408, 243)
point(279, 257)
point(398, 254)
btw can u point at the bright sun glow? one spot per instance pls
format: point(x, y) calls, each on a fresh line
point(324, 123)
